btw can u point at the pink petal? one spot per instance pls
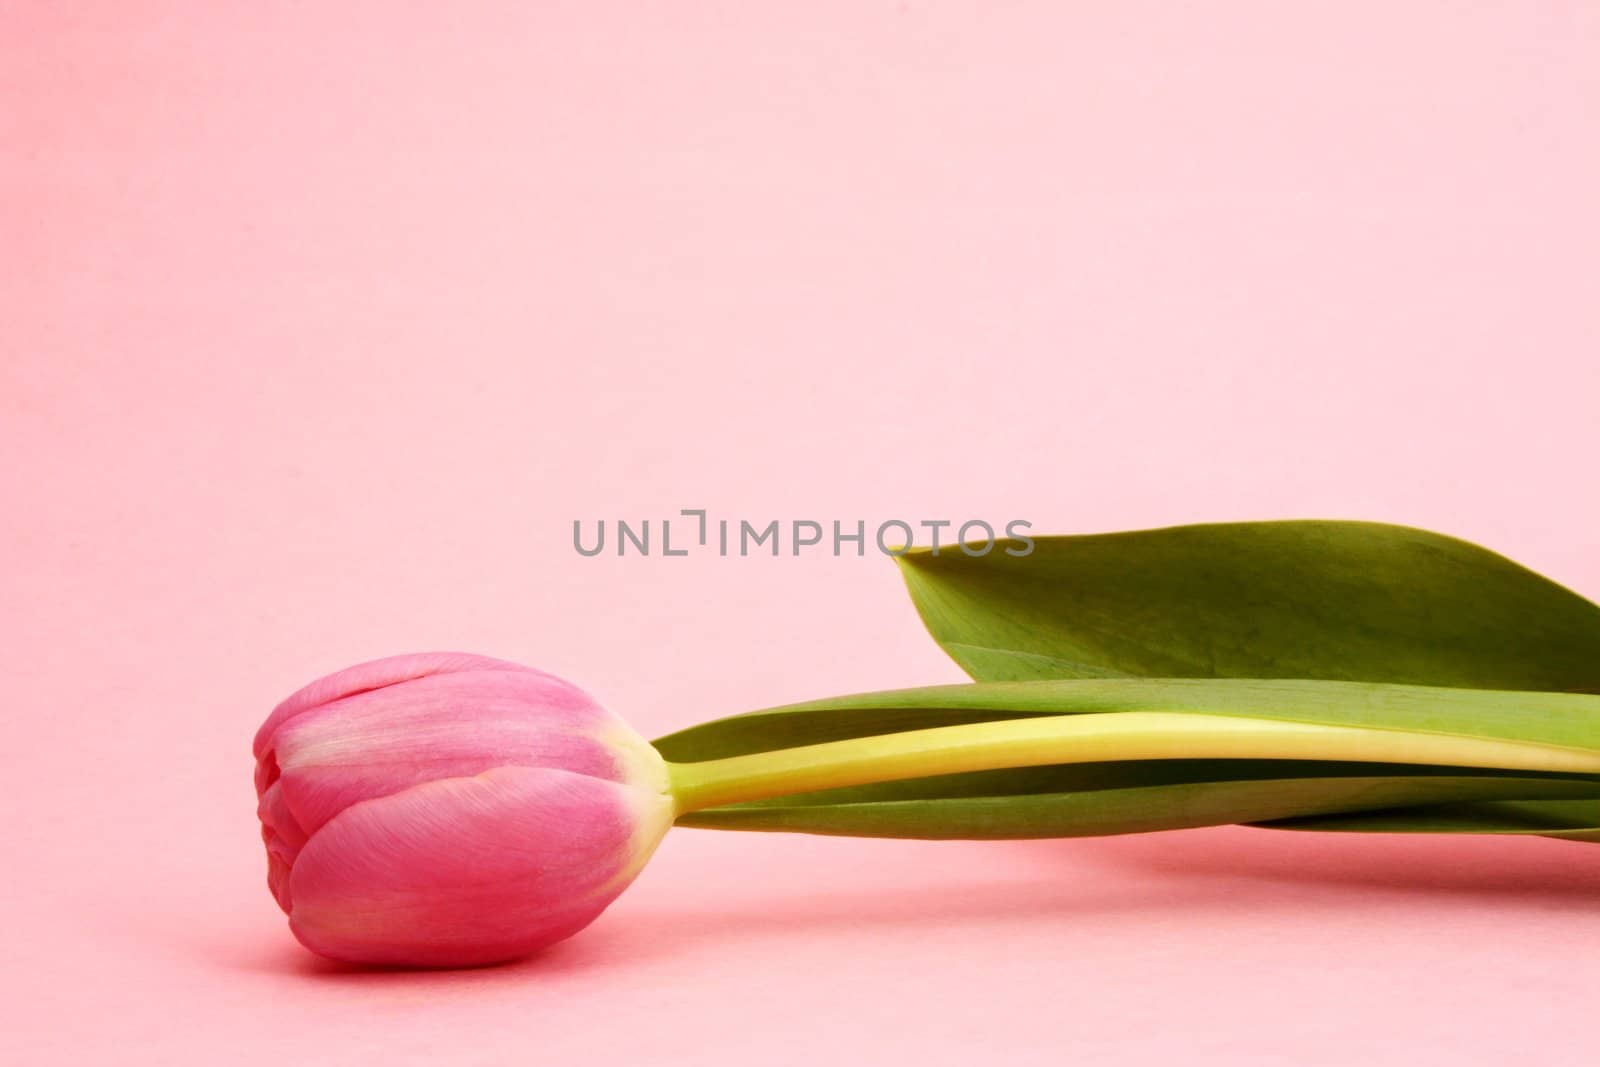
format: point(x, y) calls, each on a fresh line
point(266, 771)
point(472, 870)
point(278, 873)
point(275, 816)
point(375, 674)
point(381, 742)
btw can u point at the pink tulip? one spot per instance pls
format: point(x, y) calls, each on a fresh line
point(448, 809)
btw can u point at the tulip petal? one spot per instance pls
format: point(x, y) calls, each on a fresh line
point(381, 742)
point(375, 674)
point(276, 817)
point(278, 875)
point(470, 871)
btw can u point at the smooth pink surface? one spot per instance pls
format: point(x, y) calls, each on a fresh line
point(321, 324)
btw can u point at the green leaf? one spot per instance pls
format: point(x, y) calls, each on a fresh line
point(1325, 600)
point(1307, 599)
point(1131, 809)
point(1120, 797)
point(1147, 620)
point(1567, 719)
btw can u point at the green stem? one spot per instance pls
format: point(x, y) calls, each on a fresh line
point(1091, 738)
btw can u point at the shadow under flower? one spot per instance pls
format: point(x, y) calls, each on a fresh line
point(1196, 873)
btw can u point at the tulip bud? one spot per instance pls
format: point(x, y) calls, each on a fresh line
point(449, 810)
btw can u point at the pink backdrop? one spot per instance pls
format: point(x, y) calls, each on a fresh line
point(321, 323)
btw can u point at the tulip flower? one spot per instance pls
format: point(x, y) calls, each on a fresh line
point(449, 810)
point(452, 810)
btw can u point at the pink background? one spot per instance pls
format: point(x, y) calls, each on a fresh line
point(321, 323)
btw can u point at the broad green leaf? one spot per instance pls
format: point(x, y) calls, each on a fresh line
point(1134, 809)
point(1129, 796)
point(1568, 719)
point(1323, 600)
point(1310, 599)
point(1131, 774)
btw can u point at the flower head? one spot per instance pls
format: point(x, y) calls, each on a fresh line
point(447, 809)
